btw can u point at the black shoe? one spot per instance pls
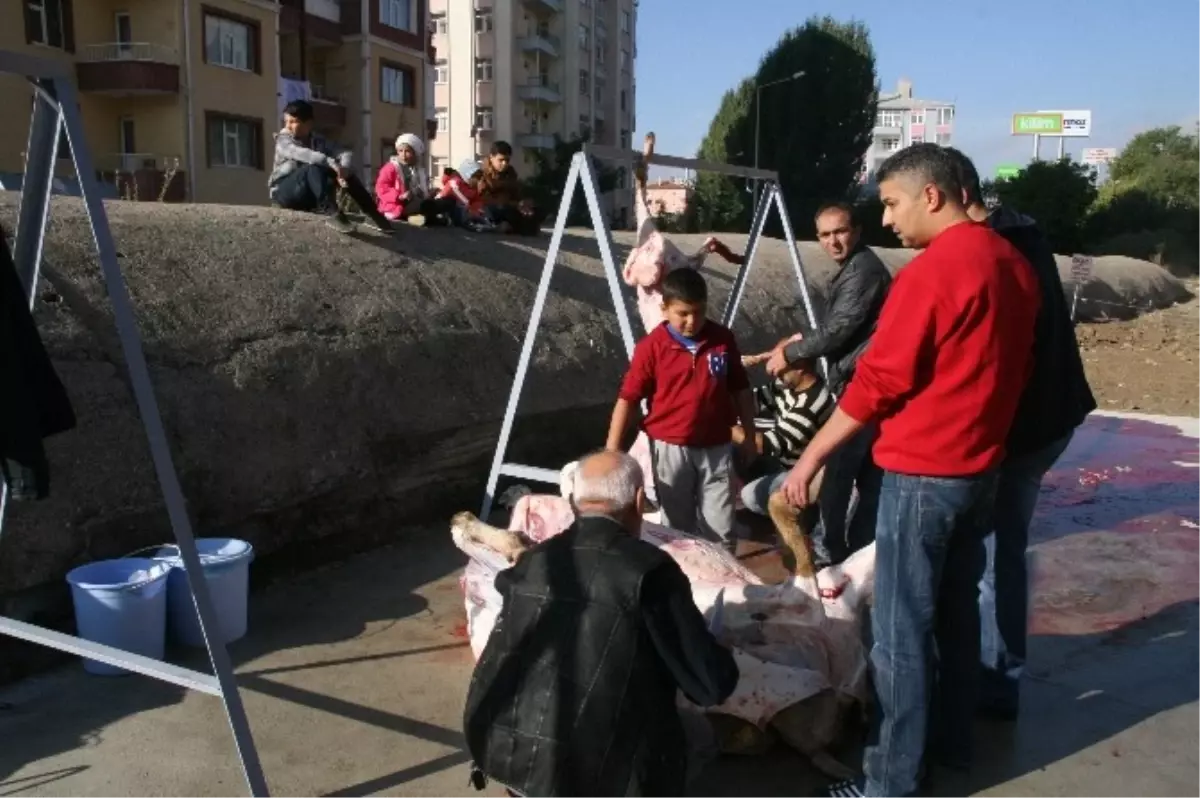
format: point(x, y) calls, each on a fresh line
point(380, 223)
point(845, 789)
point(339, 222)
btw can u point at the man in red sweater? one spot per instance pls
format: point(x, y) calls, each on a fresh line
point(942, 376)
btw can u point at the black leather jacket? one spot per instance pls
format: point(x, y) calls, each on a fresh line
point(855, 298)
point(575, 691)
point(1057, 397)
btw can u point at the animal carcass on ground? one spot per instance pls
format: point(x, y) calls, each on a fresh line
point(801, 658)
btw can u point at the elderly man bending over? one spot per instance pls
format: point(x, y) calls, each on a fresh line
point(575, 692)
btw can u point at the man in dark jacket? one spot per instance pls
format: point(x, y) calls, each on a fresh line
point(1055, 402)
point(575, 691)
point(855, 298)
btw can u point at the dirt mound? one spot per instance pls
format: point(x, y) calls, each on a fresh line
point(321, 391)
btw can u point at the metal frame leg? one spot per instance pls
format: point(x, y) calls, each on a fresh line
point(160, 451)
point(739, 281)
point(535, 317)
point(41, 156)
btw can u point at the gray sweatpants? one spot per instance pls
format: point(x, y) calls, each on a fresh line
point(694, 490)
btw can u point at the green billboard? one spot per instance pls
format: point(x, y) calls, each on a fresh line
point(1007, 172)
point(1045, 124)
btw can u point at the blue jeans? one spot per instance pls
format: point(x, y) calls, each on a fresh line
point(841, 533)
point(306, 188)
point(757, 491)
point(1004, 588)
point(925, 658)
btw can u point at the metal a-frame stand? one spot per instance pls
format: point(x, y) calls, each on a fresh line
point(581, 172)
point(56, 109)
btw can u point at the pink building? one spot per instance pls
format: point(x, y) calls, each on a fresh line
point(668, 196)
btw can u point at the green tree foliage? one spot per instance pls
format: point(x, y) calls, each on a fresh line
point(1150, 206)
point(815, 129)
point(1058, 194)
point(545, 186)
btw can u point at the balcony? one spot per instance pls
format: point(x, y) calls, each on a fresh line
point(322, 20)
point(143, 177)
point(329, 112)
point(539, 89)
point(544, 6)
point(536, 141)
point(128, 68)
point(539, 42)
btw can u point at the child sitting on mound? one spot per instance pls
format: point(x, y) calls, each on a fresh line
point(654, 257)
point(403, 185)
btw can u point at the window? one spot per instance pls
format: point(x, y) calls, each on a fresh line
point(599, 53)
point(621, 178)
point(585, 3)
point(585, 84)
point(48, 23)
point(483, 22)
point(234, 142)
point(626, 22)
point(625, 142)
point(483, 70)
point(918, 117)
point(398, 14)
point(441, 71)
point(440, 164)
point(439, 24)
point(585, 124)
point(585, 37)
point(888, 119)
point(230, 43)
point(396, 85)
point(943, 139)
point(622, 99)
point(483, 119)
point(624, 62)
point(442, 115)
point(599, 91)
point(601, 31)
point(889, 144)
point(945, 116)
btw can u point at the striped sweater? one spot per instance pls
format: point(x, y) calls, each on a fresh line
point(797, 415)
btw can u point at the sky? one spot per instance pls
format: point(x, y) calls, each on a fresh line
point(1134, 64)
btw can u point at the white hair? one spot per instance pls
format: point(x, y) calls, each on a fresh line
point(616, 489)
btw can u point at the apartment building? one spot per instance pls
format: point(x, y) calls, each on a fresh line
point(903, 120)
point(524, 71)
point(181, 97)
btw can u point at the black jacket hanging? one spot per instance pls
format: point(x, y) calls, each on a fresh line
point(33, 402)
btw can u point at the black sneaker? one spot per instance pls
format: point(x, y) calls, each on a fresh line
point(338, 221)
point(845, 789)
point(380, 223)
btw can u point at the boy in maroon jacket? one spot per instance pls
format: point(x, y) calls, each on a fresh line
point(690, 370)
point(942, 376)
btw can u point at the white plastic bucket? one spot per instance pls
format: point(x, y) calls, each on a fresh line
point(123, 604)
point(226, 563)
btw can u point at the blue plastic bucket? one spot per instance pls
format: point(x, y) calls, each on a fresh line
point(226, 563)
point(123, 604)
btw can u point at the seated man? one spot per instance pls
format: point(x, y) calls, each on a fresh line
point(307, 171)
point(798, 402)
point(575, 692)
point(500, 193)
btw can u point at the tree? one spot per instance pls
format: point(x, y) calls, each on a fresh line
point(1057, 194)
point(1149, 207)
point(545, 186)
point(815, 129)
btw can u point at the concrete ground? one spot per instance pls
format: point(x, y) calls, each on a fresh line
point(354, 676)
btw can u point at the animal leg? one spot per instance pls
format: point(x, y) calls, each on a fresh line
point(797, 543)
point(504, 541)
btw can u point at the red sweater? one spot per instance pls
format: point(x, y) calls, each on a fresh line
point(951, 354)
point(691, 393)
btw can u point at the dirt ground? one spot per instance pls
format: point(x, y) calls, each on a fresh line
point(1148, 364)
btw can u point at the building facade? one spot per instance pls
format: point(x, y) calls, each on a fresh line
point(524, 71)
point(181, 98)
point(902, 120)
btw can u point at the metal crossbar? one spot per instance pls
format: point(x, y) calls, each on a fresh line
point(581, 172)
point(55, 109)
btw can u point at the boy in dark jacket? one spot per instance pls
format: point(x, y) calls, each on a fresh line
point(500, 191)
point(1055, 402)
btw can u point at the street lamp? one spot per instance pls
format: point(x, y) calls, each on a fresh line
point(758, 119)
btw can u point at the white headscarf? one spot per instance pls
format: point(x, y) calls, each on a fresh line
point(411, 140)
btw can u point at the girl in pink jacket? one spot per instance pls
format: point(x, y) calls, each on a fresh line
point(402, 184)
